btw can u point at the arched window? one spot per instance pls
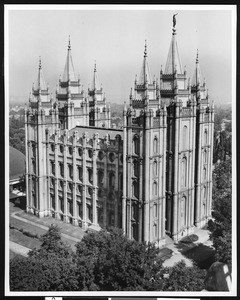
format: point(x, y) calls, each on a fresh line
point(52, 201)
point(61, 148)
point(205, 156)
point(90, 175)
point(70, 171)
point(70, 150)
point(112, 157)
point(100, 177)
point(183, 211)
point(61, 169)
point(155, 210)
point(80, 152)
point(61, 204)
point(204, 209)
point(111, 179)
point(136, 145)
point(100, 155)
point(134, 211)
point(90, 153)
point(204, 173)
point(70, 207)
point(155, 187)
point(52, 147)
point(155, 168)
point(185, 138)
point(205, 137)
point(52, 167)
point(80, 173)
point(136, 168)
point(204, 193)
point(155, 231)
point(134, 231)
point(155, 145)
point(184, 172)
point(135, 189)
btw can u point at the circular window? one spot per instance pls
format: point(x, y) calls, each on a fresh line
point(90, 153)
point(111, 156)
point(100, 155)
point(61, 148)
point(70, 150)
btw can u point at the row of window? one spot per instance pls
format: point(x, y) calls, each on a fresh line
point(111, 155)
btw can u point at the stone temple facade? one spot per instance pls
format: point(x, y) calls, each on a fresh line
point(152, 177)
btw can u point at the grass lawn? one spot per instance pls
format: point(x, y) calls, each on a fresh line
point(26, 241)
point(35, 230)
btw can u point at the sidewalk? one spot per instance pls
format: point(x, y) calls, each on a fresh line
point(18, 249)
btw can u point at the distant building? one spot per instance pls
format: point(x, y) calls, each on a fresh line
point(151, 178)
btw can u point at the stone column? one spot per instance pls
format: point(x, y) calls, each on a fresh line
point(56, 180)
point(75, 175)
point(124, 175)
point(146, 179)
point(140, 223)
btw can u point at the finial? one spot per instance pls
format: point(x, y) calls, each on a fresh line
point(174, 21)
point(197, 57)
point(145, 49)
point(69, 43)
point(125, 106)
point(40, 63)
point(136, 78)
point(95, 66)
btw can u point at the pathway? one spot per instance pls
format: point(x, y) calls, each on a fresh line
point(19, 249)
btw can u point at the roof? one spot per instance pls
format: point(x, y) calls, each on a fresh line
point(16, 163)
point(173, 60)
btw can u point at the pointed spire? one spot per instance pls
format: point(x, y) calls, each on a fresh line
point(40, 84)
point(197, 77)
point(69, 73)
point(145, 75)
point(95, 83)
point(173, 59)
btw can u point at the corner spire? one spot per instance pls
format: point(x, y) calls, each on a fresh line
point(40, 83)
point(145, 75)
point(197, 76)
point(95, 83)
point(69, 43)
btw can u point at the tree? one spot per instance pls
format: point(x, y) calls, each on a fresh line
point(49, 268)
point(109, 261)
point(220, 226)
point(183, 278)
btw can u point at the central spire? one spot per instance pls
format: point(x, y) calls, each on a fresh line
point(173, 61)
point(145, 75)
point(69, 73)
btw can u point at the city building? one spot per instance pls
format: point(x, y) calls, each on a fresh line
point(152, 177)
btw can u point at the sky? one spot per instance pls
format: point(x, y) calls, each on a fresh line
point(115, 39)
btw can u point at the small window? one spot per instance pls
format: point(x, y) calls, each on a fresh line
point(61, 169)
point(52, 167)
point(80, 152)
point(52, 182)
point(70, 171)
point(100, 155)
point(155, 192)
point(61, 148)
point(70, 187)
point(155, 233)
point(80, 173)
point(79, 189)
point(90, 192)
point(155, 210)
point(52, 147)
point(155, 168)
point(60, 184)
point(70, 150)
point(121, 158)
point(205, 137)
point(155, 145)
point(111, 179)
point(112, 157)
point(90, 175)
point(90, 153)
point(136, 146)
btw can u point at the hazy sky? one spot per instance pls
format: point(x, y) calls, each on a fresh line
point(115, 39)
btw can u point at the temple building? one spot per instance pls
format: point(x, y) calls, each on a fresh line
point(152, 177)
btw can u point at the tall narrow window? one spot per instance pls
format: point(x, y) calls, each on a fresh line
point(184, 172)
point(185, 138)
point(136, 145)
point(80, 173)
point(155, 168)
point(90, 175)
point(183, 211)
point(204, 173)
point(52, 167)
point(136, 168)
point(135, 189)
point(155, 210)
point(111, 179)
point(61, 169)
point(155, 230)
point(70, 171)
point(155, 188)
point(205, 156)
point(100, 177)
point(205, 137)
point(204, 193)
point(155, 145)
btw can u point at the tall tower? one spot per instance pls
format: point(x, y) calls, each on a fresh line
point(41, 114)
point(73, 106)
point(181, 130)
point(204, 148)
point(144, 157)
point(100, 114)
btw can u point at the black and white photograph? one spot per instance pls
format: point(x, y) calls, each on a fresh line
point(120, 135)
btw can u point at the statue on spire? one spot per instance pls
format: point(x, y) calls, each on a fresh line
point(174, 20)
